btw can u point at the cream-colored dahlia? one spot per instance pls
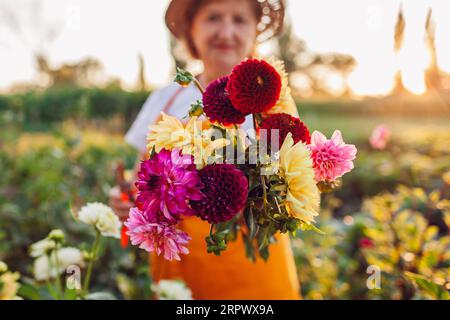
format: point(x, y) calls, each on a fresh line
point(296, 167)
point(102, 217)
point(49, 267)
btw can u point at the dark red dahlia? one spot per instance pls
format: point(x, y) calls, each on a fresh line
point(217, 105)
point(225, 193)
point(254, 86)
point(286, 123)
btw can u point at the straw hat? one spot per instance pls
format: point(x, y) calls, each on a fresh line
point(270, 25)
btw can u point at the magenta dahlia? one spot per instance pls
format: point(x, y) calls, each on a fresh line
point(217, 105)
point(225, 193)
point(254, 86)
point(165, 185)
point(285, 123)
point(161, 238)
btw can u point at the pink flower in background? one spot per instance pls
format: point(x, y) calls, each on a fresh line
point(331, 158)
point(380, 136)
point(161, 238)
point(166, 183)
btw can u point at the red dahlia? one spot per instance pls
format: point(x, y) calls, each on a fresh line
point(225, 193)
point(254, 86)
point(217, 105)
point(286, 123)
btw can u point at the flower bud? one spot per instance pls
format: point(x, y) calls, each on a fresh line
point(183, 78)
point(196, 109)
point(56, 235)
point(3, 267)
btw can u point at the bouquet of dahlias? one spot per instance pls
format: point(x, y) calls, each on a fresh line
point(256, 183)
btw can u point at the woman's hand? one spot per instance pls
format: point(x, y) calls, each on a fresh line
point(120, 205)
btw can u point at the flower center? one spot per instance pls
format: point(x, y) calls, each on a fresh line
point(260, 80)
point(153, 181)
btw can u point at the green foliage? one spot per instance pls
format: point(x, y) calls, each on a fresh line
point(59, 104)
point(404, 232)
point(37, 190)
point(393, 211)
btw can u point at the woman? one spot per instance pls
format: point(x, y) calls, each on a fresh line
point(221, 33)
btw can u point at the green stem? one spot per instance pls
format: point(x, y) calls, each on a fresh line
point(58, 278)
point(199, 86)
point(263, 184)
point(211, 228)
point(49, 284)
point(92, 256)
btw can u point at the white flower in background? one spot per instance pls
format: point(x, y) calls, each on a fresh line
point(172, 290)
point(102, 217)
point(42, 247)
point(44, 267)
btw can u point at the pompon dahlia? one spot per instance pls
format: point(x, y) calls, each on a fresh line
point(285, 124)
point(217, 105)
point(225, 193)
point(165, 184)
point(161, 238)
point(332, 158)
point(254, 86)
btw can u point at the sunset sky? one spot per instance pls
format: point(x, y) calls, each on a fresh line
point(115, 31)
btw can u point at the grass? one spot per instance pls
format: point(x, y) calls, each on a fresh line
point(357, 128)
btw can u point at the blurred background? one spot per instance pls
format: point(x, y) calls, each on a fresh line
point(74, 75)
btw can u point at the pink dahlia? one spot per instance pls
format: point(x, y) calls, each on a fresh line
point(225, 193)
point(254, 86)
point(331, 158)
point(217, 104)
point(380, 136)
point(165, 185)
point(161, 238)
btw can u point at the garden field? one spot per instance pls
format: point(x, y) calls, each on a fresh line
point(390, 217)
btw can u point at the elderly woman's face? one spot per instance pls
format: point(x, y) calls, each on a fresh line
point(224, 32)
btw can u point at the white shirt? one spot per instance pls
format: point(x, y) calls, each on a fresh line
point(155, 103)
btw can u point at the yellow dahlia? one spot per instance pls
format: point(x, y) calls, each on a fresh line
point(286, 103)
point(8, 283)
point(169, 133)
point(296, 167)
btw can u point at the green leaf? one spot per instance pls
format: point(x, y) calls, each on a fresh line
point(435, 290)
point(249, 249)
point(251, 224)
point(27, 291)
point(70, 294)
point(311, 227)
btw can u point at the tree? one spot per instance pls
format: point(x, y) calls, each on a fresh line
point(433, 77)
point(399, 36)
point(317, 68)
point(83, 73)
point(142, 85)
